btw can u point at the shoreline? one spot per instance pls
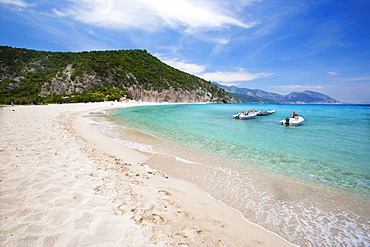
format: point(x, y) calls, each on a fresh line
point(63, 183)
point(296, 210)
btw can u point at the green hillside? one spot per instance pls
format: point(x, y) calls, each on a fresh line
point(27, 76)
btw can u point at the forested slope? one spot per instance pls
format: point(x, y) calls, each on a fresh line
point(28, 76)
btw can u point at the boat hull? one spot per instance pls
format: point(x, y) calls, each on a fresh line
point(297, 120)
point(264, 113)
point(244, 116)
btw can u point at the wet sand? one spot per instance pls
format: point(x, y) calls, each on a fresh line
point(304, 213)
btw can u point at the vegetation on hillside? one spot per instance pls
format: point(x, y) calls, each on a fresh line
point(94, 95)
point(23, 73)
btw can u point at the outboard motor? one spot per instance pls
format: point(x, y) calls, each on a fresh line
point(287, 119)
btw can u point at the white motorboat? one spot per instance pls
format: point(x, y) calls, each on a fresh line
point(297, 120)
point(264, 113)
point(245, 115)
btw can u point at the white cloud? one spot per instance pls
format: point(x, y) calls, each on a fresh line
point(221, 41)
point(290, 87)
point(59, 13)
point(233, 76)
point(353, 79)
point(190, 68)
point(152, 15)
point(229, 84)
point(19, 3)
point(332, 73)
point(229, 78)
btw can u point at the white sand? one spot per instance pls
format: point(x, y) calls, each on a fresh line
point(63, 184)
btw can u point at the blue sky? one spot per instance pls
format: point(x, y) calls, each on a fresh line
point(275, 45)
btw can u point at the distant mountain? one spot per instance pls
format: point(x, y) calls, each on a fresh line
point(246, 95)
point(310, 97)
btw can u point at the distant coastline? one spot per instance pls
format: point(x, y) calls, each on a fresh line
point(246, 95)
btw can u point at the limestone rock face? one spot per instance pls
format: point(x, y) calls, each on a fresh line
point(63, 83)
point(171, 95)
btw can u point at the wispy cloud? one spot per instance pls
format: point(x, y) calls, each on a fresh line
point(18, 3)
point(190, 68)
point(241, 75)
point(222, 77)
point(152, 15)
point(353, 79)
point(222, 41)
point(292, 87)
point(332, 73)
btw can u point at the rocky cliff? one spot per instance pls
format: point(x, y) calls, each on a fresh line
point(175, 96)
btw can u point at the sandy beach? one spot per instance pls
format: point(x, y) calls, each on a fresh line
point(64, 184)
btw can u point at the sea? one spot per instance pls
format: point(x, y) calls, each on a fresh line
point(309, 184)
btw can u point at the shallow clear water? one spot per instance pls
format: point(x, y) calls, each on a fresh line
point(310, 183)
point(332, 147)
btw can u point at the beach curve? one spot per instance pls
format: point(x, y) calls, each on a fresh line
point(64, 184)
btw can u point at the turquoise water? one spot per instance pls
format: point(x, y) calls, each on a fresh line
point(332, 147)
point(310, 184)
